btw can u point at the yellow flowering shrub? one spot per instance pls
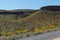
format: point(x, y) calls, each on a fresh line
point(8, 34)
point(25, 30)
point(21, 31)
point(37, 30)
point(43, 28)
point(18, 31)
point(49, 27)
point(52, 26)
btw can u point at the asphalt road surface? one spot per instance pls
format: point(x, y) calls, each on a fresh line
point(46, 36)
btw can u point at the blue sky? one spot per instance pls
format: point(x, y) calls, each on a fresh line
point(26, 4)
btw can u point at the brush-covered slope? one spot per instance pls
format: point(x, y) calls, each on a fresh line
point(39, 19)
point(15, 14)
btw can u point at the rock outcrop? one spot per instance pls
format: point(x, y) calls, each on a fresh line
point(51, 8)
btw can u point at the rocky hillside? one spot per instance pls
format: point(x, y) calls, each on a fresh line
point(41, 18)
point(38, 21)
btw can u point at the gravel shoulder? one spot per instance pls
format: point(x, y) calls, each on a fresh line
point(46, 36)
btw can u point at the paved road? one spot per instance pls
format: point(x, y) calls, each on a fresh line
point(46, 36)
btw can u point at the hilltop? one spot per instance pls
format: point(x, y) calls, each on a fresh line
point(51, 8)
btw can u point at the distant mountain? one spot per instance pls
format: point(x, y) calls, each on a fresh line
point(17, 10)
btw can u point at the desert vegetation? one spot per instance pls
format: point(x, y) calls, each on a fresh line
point(37, 23)
point(26, 25)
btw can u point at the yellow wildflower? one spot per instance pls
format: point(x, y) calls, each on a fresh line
point(25, 30)
point(18, 31)
point(36, 30)
point(8, 34)
point(52, 26)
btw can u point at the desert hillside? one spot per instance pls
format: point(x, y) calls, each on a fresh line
point(41, 18)
point(38, 19)
point(38, 22)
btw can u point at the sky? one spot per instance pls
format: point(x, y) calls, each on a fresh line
point(26, 4)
